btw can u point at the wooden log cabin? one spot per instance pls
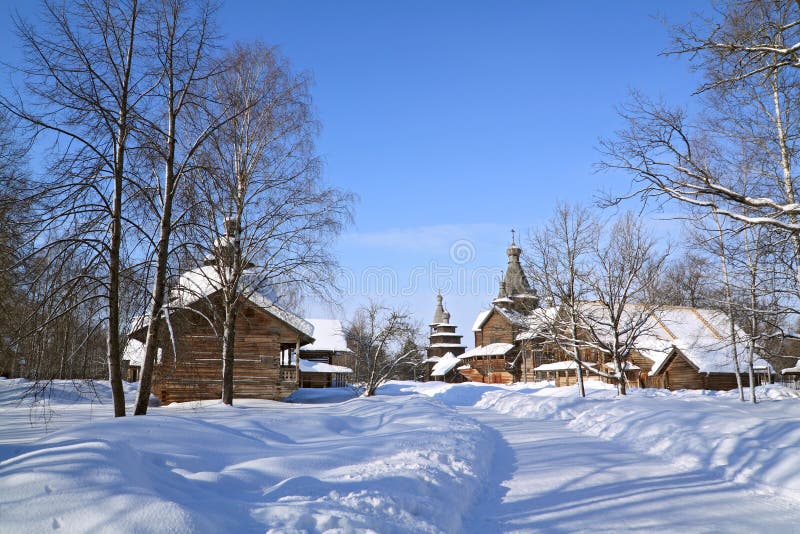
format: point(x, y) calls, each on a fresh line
point(267, 344)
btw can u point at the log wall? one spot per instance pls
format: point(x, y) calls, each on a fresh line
point(193, 370)
point(497, 329)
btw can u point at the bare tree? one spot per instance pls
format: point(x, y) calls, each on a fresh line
point(750, 121)
point(626, 268)
point(688, 281)
point(716, 238)
point(13, 186)
point(377, 335)
point(260, 180)
point(560, 262)
point(83, 90)
point(760, 302)
point(182, 36)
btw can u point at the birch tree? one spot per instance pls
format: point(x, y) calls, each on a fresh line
point(721, 244)
point(749, 119)
point(259, 178)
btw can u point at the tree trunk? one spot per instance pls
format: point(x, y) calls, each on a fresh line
point(114, 355)
point(228, 348)
point(729, 305)
point(153, 329)
point(160, 283)
point(579, 372)
point(620, 376)
point(114, 352)
point(575, 352)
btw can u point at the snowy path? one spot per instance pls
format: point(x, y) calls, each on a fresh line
point(588, 484)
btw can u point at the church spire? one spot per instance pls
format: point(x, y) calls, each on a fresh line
point(516, 281)
point(438, 314)
point(515, 290)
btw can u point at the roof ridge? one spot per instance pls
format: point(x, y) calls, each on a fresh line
point(707, 324)
point(667, 330)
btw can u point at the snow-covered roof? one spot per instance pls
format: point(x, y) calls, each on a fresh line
point(432, 359)
point(134, 352)
point(445, 334)
point(482, 316)
point(565, 365)
point(320, 367)
point(792, 370)
point(494, 349)
point(445, 365)
point(537, 321)
point(328, 336)
point(513, 316)
point(702, 336)
point(202, 282)
point(629, 366)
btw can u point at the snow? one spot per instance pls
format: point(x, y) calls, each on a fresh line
point(328, 336)
point(566, 365)
point(134, 352)
point(418, 457)
point(792, 370)
point(367, 464)
point(445, 364)
point(204, 281)
point(493, 349)
point(307, 366)
point(446, 345)
point(482, 316)
point(628, 366)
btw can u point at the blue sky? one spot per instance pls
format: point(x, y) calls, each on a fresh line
point(456, 121)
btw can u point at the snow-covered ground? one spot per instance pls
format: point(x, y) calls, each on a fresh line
point(416, 458)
